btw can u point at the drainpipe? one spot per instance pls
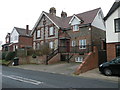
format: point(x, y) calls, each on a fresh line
point(90, 29)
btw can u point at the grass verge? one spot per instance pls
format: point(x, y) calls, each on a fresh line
point(5, 62)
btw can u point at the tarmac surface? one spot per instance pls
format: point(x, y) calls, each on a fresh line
point(67, 69)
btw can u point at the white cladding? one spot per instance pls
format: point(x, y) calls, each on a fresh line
point(98, 21)
point(111, 36)
point(14, 36)
point(75, 21)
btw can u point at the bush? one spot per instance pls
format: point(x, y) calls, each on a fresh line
point(3, 55)
point(10, 55)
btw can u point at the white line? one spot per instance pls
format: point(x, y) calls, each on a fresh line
point(18, 78)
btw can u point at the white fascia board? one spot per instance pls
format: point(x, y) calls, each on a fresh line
point(74, 16)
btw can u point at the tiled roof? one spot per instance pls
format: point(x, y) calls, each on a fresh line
point(87, 17)
point(22, 31)
point(61, 22)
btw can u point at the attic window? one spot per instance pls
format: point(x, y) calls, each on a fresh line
point(75, 27)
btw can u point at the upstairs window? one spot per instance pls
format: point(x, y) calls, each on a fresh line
point(75, 27)
point(51, 31)
point(73, 43)
point(38, 33)
point(117, 25)
point(82, 44)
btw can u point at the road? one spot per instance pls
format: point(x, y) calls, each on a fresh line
point(20, 78)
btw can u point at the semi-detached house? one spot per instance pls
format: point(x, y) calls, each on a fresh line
point(112, 21)
point(70, 37)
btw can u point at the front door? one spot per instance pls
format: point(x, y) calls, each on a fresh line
point(68, 45)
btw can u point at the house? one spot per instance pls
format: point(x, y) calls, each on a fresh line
point(19, 38)
point(5, 47)
point(112, 21)
point(70, 37)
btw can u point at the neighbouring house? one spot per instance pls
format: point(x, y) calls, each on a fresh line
point(70, 37)
point(18, 38)
point(112, 21)
point(5, 47)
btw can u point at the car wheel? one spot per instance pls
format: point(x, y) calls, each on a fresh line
point(107, 72)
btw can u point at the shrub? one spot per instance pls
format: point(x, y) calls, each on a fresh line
point(10, 55)
point(3, 55)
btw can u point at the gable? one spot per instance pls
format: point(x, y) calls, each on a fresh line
point(98, 21)
point(13, 35)
point(75, 20)
point(40, 21)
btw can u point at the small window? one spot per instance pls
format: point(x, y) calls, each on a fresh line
point(117, 25)
point(51, 31)
point(82, 44)
point(73, 43)
point(75, 27)
point(79, 59)
point(38, 33)
point(51, 45)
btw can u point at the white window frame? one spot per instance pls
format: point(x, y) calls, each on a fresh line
point(73, 43)
point(79, 59)
point(75, 27)
point(82, 44)
point(38, 33)
point(51, 45)
point(51, 31)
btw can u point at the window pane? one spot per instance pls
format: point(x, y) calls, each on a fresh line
point(51, 45)
point(118, 50)
point(82, 44)
point(38, 33)
point(117, 25)
point(51, 31)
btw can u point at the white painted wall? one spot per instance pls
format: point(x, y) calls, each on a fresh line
point(98, 21)
point(13, 35)
point(111, 36)
point(75, 21)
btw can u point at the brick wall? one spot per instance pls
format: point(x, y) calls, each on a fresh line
point(55, 59)
point(25, 41)
point(90, 62)
point(111, 51)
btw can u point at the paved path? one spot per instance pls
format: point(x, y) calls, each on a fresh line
point(67, 69)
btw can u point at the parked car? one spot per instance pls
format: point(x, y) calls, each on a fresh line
point(110, 67)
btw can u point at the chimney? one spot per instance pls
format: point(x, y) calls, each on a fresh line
point(27, 29)
point(52, 11)
point(63, 14)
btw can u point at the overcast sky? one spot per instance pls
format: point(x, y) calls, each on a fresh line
point(19, 13)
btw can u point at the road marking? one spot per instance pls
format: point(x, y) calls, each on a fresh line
point(18, 78)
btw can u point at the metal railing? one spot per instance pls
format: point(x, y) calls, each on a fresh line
point(77, 49)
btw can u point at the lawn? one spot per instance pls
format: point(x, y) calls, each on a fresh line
point(4, 62)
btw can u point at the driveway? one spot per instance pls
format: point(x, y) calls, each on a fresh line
point(67, 69)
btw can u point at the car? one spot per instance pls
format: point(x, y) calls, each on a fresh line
point(111, 67)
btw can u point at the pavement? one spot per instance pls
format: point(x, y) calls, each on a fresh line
point(67, 69)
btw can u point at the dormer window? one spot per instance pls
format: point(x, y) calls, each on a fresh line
point(75, 27)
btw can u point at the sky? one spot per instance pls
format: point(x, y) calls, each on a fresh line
point(19, 13)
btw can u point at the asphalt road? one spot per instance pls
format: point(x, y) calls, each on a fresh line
point(20, 78)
